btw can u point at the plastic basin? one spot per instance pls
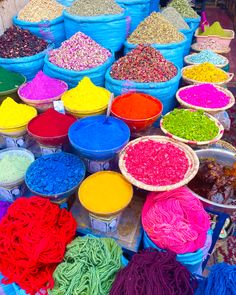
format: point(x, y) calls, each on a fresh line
point(224, 41)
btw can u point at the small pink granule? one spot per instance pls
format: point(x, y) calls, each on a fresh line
point(205, 96)
point(156, 163)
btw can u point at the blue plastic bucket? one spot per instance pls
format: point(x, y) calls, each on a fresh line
point(173, 52)
point(164, 91)
point(193, 22)
point(10, 289)
point(188, 33)
point(192, 261)
point(154, 5)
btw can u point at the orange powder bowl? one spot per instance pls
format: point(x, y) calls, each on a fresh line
point(138, 110)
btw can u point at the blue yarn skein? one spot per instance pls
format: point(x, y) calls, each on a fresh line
point(54, 174)
point(221, 281)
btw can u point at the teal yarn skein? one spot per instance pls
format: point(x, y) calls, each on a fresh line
point(89, 267)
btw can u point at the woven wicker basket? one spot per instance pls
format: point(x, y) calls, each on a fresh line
point(194, 82)
point(208, 110)
point(192, 142)
point(190, 154)
point(226, 146)
point(195, 47)
point(192, 63)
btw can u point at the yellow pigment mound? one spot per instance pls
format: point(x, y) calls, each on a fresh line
point(105, 192)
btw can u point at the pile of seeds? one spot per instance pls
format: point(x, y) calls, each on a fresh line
point(16, 42)
point(38, 10)
point(183, 7)
point(155, 29)
point(206, 56)
point(172, 15)
point(190, 125)
point(94, 7)
point(143, 64)
point(79, 53)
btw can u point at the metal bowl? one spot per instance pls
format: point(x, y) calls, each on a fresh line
point(223, 157)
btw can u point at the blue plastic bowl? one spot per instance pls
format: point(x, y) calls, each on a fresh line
point(101, 148)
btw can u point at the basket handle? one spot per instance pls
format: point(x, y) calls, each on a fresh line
point(231, 75)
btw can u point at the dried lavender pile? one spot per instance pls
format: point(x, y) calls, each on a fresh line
point(155, 29)
point(16, 42)
point(143, 64)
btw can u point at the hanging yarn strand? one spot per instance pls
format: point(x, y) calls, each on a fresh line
point(153, 273)
point(33, 238)
point(89, 267)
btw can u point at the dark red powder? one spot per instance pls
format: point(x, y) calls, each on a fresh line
point(50, 124)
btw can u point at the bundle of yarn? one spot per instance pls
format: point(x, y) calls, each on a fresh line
point(153, 273)
point(34, 234)
point(89, 267)
point(175, 220)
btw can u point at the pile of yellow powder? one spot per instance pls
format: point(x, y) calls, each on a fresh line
point(205, 72)
point(86, 97)
point(14, 114)
point(39, 10)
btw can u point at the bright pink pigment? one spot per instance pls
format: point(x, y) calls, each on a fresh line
point(175, 220)
point(204, 95)
point(156, 163)
point(43, 87)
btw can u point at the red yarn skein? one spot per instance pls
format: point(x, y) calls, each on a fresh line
point(33, 238)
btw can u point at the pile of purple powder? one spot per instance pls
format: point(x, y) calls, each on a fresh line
point(79, 53)
point(43, 87)
point(205, 96)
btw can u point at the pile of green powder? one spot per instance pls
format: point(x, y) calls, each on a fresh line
point(215, 30)
point(13, 166)
point(10, 80)
point(172, 15)
point(155, 29)
point(186, 124)
point(94, 7)
point(183, 7)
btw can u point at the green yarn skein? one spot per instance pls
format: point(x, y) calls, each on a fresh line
point(89, 267)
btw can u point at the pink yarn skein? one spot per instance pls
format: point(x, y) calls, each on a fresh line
point(175, 220)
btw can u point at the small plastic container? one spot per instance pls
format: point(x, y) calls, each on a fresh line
point(12, 92)
point(224, 41)
point(105, 195)
point(42, 104)
point(192, 261)
point(10, 191)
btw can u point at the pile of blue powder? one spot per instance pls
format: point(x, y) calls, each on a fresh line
point(55, 173)
point(206, 56)
point(95, 133)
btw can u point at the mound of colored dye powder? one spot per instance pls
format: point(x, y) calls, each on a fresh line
point(215, 30)
point(43, 87)
point(51, 124)
point(54, 174)
point(10, 80)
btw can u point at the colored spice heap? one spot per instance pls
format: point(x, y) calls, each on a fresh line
point(79, 53)
point(10, 80)
point(16, 42)
point(207, 56)
point(210, 44)
point(38, 232)
point(190, 125)
point(143, 64)
point(215, 182)
point(54, 174)
point(156, 163)
point(14, 114)
point(89, 267)
point(183, 7)
point(42, 87)
point(86, 96)
point(205, 72)
point(94, 134)
point(136, 106)
point(40, 10)
point(205, 96)
point(95, 7)
point(175, 18)
point(95, 192)
point(51, 124)
point(155, 29)
point(175, 220)
point(154, 273)
point(214, 30)
point(13, 166)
